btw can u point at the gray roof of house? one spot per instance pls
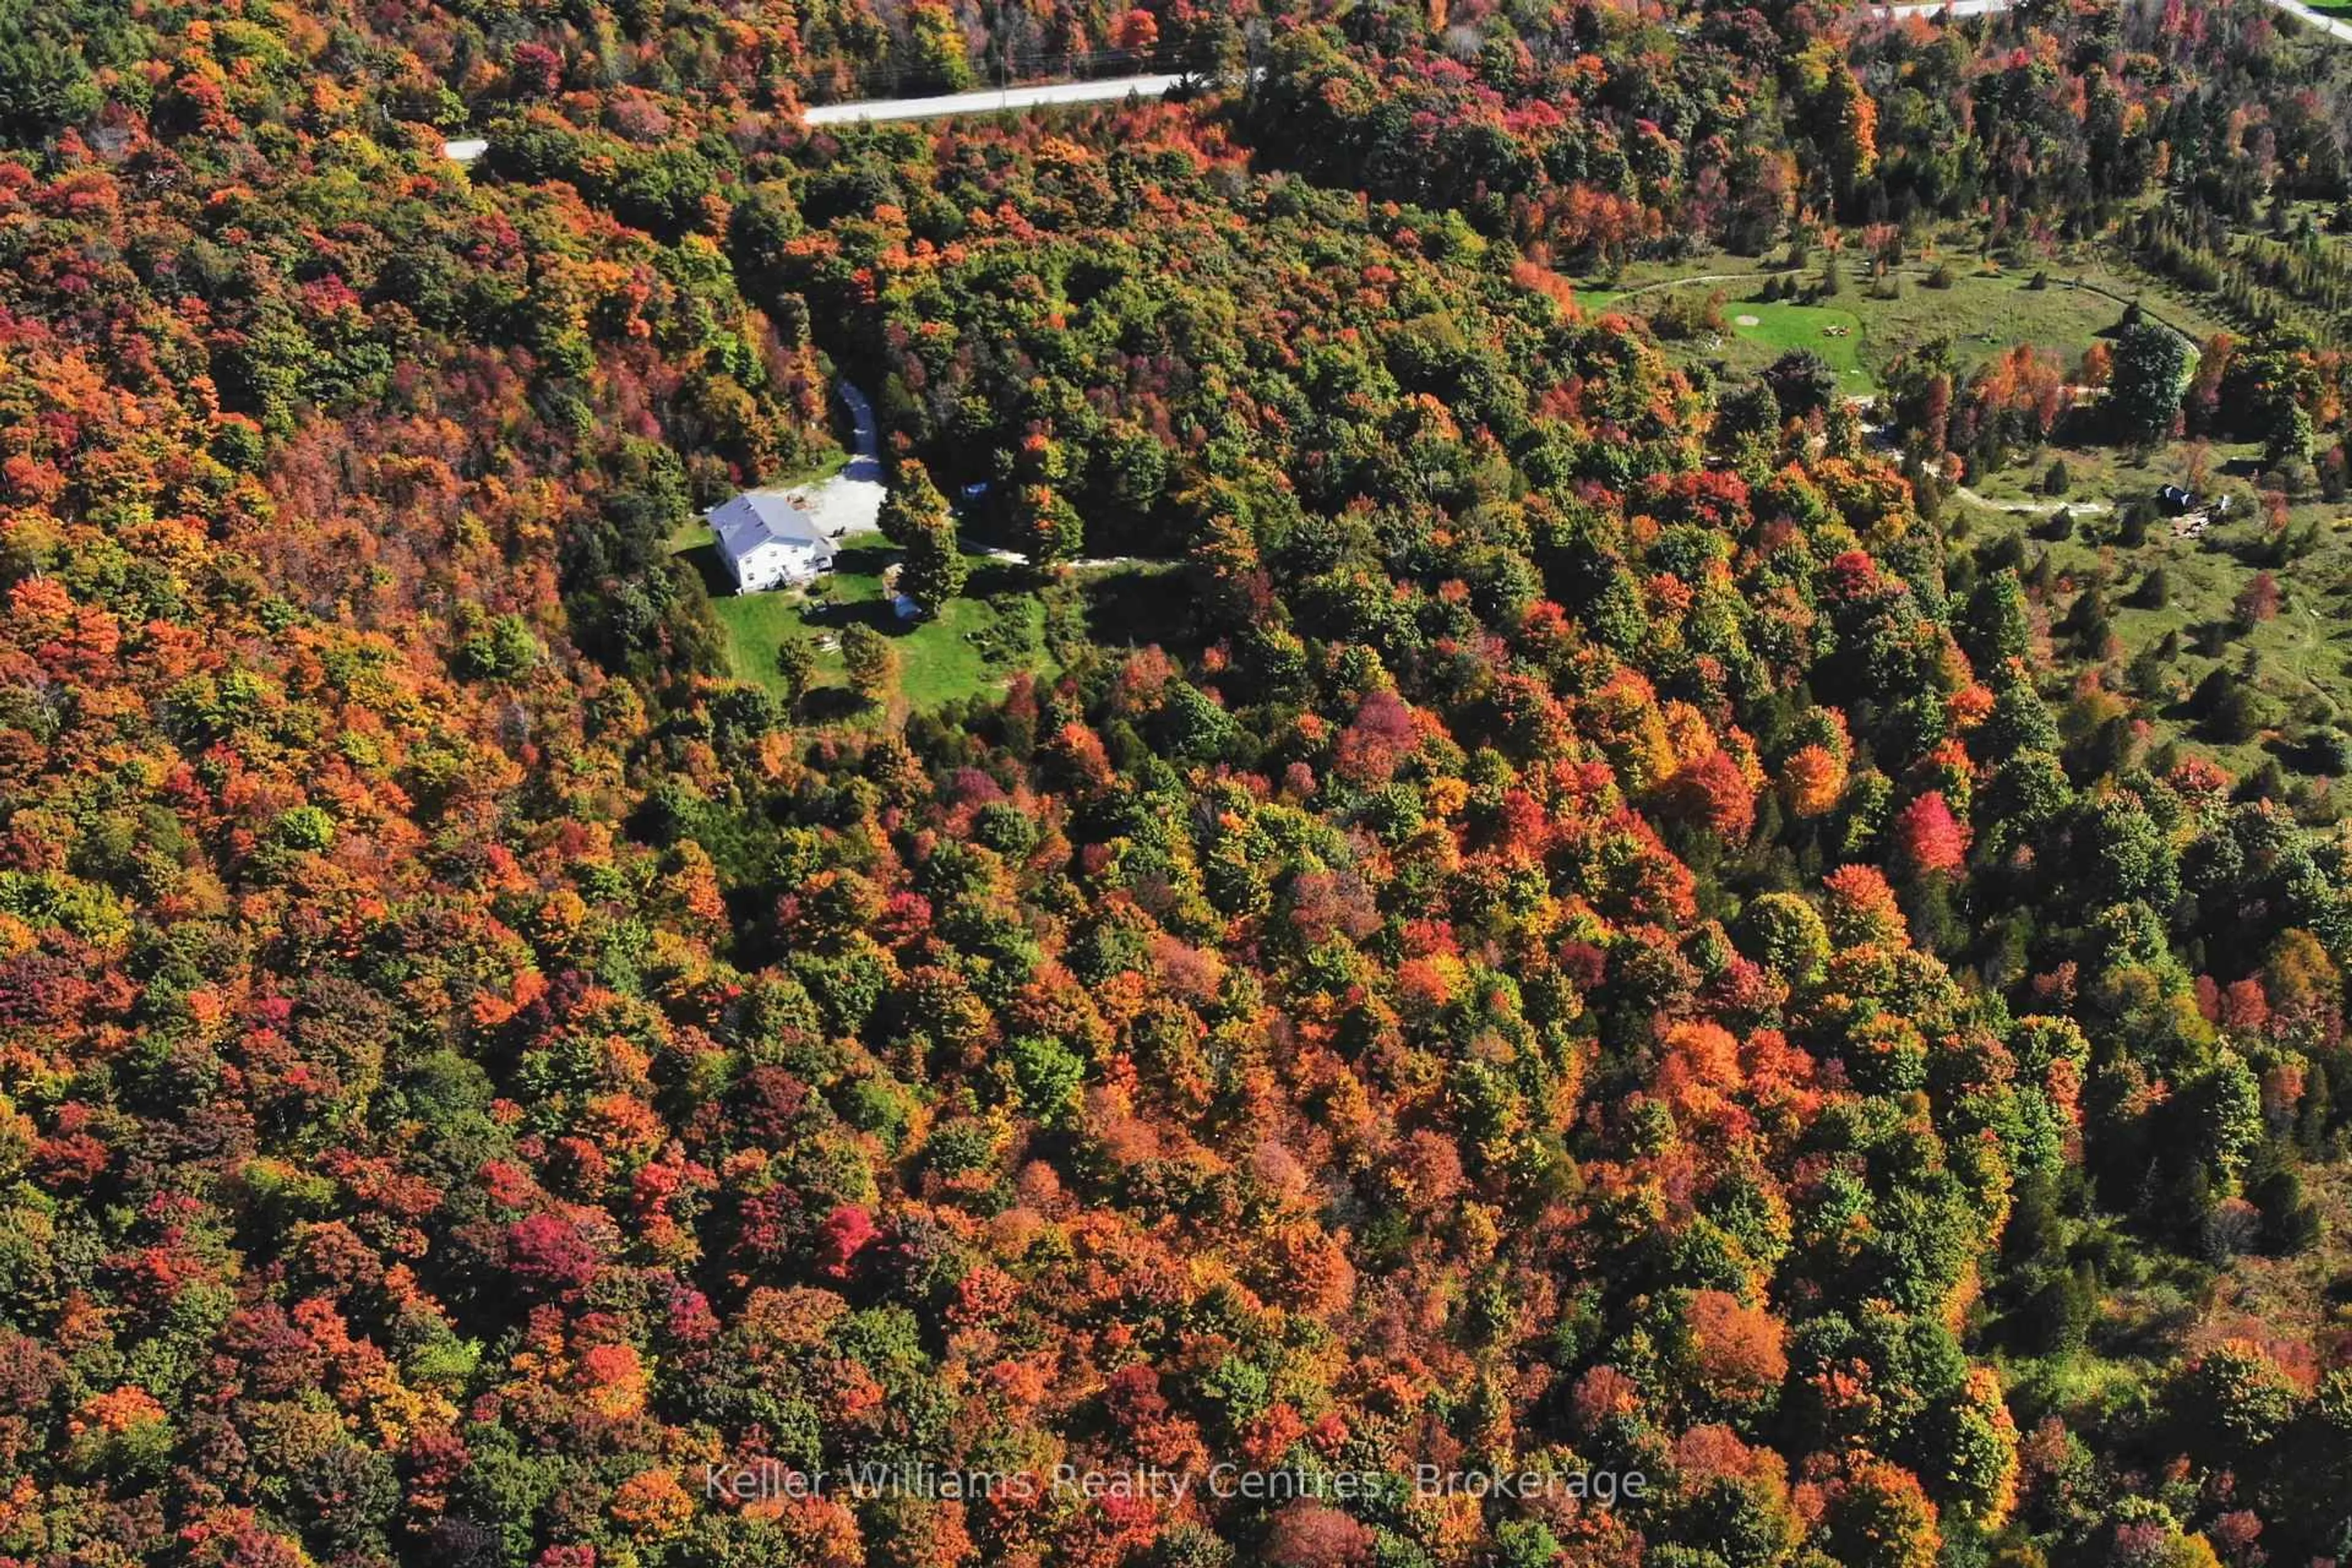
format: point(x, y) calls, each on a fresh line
point(760, 517)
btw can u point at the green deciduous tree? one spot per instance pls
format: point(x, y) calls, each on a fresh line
point(795, 664)
point(914, 507)
point(871, 661)
point(2151, 369)
point(935, 569)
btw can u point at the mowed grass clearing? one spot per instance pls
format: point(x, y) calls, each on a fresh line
point(942, 659)
point(1984, 314)
point(1758, 331)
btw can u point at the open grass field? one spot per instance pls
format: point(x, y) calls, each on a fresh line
point(2104, 475)
point(1983, 314)
point(2302, 655)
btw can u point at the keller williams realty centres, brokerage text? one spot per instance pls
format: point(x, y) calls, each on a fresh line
point(767, 1479)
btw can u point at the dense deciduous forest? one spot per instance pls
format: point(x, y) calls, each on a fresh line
point(1577, 928)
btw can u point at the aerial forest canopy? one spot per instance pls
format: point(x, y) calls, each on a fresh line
point(1420, 869)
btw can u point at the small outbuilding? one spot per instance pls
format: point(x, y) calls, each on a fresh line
point(768, 542)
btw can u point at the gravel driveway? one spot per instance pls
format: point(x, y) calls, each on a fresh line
point(850, 502)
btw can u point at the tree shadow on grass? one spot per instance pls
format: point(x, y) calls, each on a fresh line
point(997, 577)
point(987, 578)
point(832, 705)
point(1138, 609)
point(836, 616)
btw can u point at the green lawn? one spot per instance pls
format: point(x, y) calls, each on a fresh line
point(972, 646)
point(1829, 330)
point(944, 657)
point(755, 624)
point(1759, 332)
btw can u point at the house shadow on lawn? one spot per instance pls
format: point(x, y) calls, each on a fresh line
point(825, 612)
point(711, 567)
point(861, 560)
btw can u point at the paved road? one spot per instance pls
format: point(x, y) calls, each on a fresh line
point(993, 100)
point(997, 99)
point(1956, 7)
point(2296, 8)
point(2327, 25)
